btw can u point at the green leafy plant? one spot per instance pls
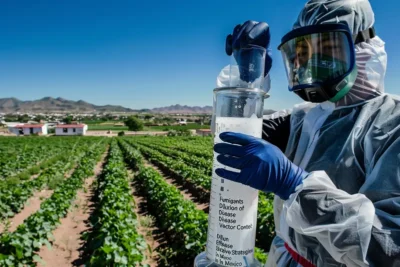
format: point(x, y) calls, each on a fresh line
point(19, 248)
point(24, 155)
point(185, 226)
point(190, 166)
point(114, 240)
point(14, 193)
point(177, 166)
point(201, 163)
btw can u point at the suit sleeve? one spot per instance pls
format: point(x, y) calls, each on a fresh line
point(276, 129)
point(361, 229)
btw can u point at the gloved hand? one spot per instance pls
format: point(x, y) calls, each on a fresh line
point(251, 33)
point(262, 165)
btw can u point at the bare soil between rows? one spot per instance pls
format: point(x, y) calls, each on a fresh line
point(159, 236)
point(67, 244)
point(198, 196)
point(31, 206)
point(146, 227)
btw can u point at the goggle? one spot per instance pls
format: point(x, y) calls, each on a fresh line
point(320, 55)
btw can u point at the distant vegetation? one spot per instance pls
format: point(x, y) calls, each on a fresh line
point(134, 124)
point(105, 127)
point(96, 127)
point(180, 123)
point(151, 122)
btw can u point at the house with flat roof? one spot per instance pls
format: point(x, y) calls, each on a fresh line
point(71, 129)
point(28, 129)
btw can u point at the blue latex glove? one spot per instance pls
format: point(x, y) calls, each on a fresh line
point(262, 165)
point(251, 33)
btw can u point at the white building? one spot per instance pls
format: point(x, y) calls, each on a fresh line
point(71, 129)
point(182, 122)
point(28, 129)
point(11, 124)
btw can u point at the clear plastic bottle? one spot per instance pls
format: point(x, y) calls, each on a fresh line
point(233, 207)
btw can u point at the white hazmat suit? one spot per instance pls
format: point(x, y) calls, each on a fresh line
point(347, 211)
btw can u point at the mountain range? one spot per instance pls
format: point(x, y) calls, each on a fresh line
point(61, 105)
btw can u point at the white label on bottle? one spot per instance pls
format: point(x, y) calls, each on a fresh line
point(233, 206)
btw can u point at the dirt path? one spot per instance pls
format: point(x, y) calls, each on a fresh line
point(31, 206)
point(67, 243)
point(35, 176)
point(146, 227)
point(185, 193)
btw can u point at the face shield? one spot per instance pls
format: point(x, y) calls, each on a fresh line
point(320, 61)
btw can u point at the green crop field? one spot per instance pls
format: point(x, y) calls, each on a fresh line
point(108, 202)
point(102, 127)
point(190, 126)
point(112, 127)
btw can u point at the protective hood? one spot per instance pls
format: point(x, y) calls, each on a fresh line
point(371, 58)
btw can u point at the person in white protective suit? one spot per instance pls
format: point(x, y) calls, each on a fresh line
point(337, 185)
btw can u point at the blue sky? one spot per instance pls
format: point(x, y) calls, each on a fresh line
point(145, 53)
